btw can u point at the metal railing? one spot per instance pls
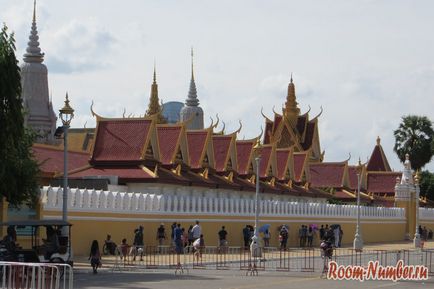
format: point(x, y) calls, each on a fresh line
point(272, 259)
point(16, 275)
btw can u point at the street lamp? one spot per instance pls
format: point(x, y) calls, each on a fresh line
point(254, 246)
point(66, 115)
point(416, 240)
point(358, 241)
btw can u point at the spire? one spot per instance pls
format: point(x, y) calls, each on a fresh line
point(192, 93)
point(291, 105)
point(33, 52)
point(154, 106)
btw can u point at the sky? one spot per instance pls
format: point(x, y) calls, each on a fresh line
point(366, 62)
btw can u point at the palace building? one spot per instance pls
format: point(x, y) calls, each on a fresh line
point(148, 154)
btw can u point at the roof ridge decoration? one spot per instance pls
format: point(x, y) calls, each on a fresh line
point(318, 115)
point(264, 116)
point(33, 51)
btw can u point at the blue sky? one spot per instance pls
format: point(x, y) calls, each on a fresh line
point(367, 63)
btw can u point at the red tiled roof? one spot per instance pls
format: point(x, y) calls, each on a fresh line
point(277, 120)
point(196, 141)
point(50, 160)
point(244, 151)
point(299, 159)
point(308, 138)
point(120, 140)
point(327, 174)
point(268, 131)
point(382, 182)
point(265, 159)
point(125, 173)
point(282, 156)
point(168, 142)
point(378, 161)
point(221, 146)
point(352, 176)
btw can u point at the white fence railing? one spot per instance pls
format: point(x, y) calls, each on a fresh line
point(83, 200)
point(16, 275)
point(426, 213)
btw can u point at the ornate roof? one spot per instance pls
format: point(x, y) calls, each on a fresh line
point(169, 139)
point(283, 157)
point(244, 155)
point(197, 141)
point(300, 161)
point(121, 139)
point(223, 148)
point(378, 161)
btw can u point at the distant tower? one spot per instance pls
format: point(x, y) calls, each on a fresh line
point(291, 105)
point(34, 81)
point(192, 108)
point(154, 103)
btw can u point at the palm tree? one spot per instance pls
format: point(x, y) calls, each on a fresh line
point(414, 136)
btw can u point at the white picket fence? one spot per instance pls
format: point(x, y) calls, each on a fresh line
point(83, 200)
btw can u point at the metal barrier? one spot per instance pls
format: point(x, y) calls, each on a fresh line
point(290, 260)
point(15, 275)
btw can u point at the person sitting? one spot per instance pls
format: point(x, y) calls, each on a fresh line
point(51, 244)
point(9, 244)
point(109, 246)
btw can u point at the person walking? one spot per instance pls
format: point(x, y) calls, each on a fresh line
point(246, 236)
point(283, 237)
point(321, 232)
point(309, 237)
point(161, 236)
point(138, 243)
point(95, 256)
point(197, 231)
point(267, 237)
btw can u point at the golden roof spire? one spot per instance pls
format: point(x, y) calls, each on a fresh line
point(291, 105)
point(154, 106)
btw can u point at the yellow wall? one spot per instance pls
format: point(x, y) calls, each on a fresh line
point(90, 226)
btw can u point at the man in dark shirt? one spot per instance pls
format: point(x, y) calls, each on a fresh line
point(222, 237)
point(321, 232)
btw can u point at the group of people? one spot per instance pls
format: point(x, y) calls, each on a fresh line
point(332, 234)
point(425, 233)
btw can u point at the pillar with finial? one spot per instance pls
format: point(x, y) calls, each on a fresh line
point(406, 196)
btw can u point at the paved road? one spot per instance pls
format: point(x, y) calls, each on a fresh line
point(213, 279)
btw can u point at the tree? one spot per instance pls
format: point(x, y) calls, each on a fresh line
point(427, 184)
point(414, 136)
point(18, 169)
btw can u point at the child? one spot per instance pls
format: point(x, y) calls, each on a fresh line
point(95, 256)
point(123, 248)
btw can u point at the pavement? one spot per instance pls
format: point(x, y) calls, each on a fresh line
point(132, 277)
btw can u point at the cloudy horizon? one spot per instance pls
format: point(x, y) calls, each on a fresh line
point(367, 63)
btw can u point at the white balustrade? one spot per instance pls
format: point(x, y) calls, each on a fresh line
point(87, 200)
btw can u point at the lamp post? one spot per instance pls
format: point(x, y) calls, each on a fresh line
point(358, 241)
point(254, 246)
point(416, 240)
point(66, 114)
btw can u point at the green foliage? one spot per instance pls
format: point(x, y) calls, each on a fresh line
point(415, 137)
point(18, 169)
point(427, 184)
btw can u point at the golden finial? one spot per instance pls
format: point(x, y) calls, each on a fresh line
point(155, 75)
point(378, 140)
point(359, 166)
